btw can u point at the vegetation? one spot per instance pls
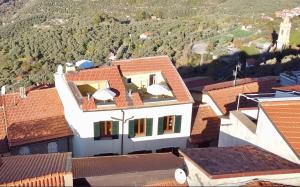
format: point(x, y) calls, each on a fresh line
point(37, 35)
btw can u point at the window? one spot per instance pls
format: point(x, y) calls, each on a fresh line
point(24, 150)
point(151, 79)
point(169, 124)
point(140, 127)
point(106, 130)
point(52, 147)
point(128, 80)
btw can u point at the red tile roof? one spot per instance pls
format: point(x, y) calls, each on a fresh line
point(30, 169)
point(206, 124)
point(111, 74)
point(288, 88)
point(228, 84)
point(195, 83)
point(166, 183)
point(285, 116)
point(32, 114)
point(158, 63)
point(225, 95)
point(240, 161)
point(110, 165)
point(264, 183)
point(38, 130)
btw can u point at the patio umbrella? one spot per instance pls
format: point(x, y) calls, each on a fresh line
point(84, 64)
point(104, 94)
point(157, 89)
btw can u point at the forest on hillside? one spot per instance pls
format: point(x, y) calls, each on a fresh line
point(37, 35)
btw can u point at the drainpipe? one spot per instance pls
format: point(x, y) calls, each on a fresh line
point(123, 120)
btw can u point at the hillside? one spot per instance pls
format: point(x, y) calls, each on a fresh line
point(37, 35)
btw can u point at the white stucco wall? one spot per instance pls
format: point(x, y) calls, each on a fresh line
point(196, 177)
point(265, 136)
point(83, 126)
point(235, 133)
point(207, 99)
point(269, 138)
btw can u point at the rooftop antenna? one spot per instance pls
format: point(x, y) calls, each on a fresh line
point(235, 72)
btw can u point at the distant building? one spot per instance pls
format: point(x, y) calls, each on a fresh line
point(133, 119)
point(284, 33)
point(33, 122)
point(145, 35)
point(53, 169)
point(238, 166)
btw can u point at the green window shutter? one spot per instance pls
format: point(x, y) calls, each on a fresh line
point(177, 124)
point(115, 130)
point(131, 130)
point(149, 124)
point(96, 130)
point(160, 129)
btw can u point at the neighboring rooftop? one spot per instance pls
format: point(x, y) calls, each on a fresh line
point(205, 124)
point(197, 83)
point(129, 79)
point(47, 169)
point(285, 116)
point(290, 88)
point(240, 161)
point(225, 95)
point(139, 169)
point(38, 117)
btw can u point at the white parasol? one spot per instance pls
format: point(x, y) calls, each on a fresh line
point(157, 89)
point(104, 94)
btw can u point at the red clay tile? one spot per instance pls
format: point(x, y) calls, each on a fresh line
point(285, 116)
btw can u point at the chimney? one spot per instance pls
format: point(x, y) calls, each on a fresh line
point(129, 92)
point(3, 90)
point(22, 92)
point(70, 67)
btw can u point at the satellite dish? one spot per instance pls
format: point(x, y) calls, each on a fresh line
point(180, 176)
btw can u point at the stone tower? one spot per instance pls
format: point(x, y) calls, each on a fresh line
point(284, 33)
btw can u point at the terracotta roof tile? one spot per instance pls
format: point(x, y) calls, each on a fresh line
point(264, 183)
point(228, 84)
point(166, 183)
point(114, 76)
point(288, 88)
point(111, 74)
point(225, 96)
point(206, 124)
point(109, 165)
point(31, 167)
point(198, 82)
point(230, 162)
point(158, 63)
point(285, 116)
point(38, 106)
point(38, 130)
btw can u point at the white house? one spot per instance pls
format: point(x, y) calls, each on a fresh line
point(217, 100)
point(273, 125)
point(133, 120)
